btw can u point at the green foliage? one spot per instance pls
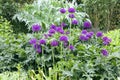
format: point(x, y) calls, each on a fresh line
point(100, 12)
point(5, 27)
point(46, 12)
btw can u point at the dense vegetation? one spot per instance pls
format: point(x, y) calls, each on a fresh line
point(59, 40)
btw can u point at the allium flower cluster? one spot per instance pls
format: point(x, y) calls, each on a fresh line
point(71, 10)
point(87, 24)
point(99, 34)
point(71, 47)
point(62, 10)
point(106, 40)
point(36, 28)
point(42, 41)
point(63, 38)
point(104, 52)
point(54, 43)
point(75, 22)
point(85, 35)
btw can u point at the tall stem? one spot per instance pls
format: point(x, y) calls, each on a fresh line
point(53, 56)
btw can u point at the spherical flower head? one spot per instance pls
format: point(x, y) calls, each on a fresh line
point(106, 40)
point(52, 31)
point(54, 43)
point(63, 38)
point(88, 35)
point(99, 34)
point(71, 47)
point(84, 31)
point(62, 10)
point(42, 41)
point(104, 52)
point(71, 10)
point(83, 38)
point(65, 44)
point(36, 28)
point(71, 16)
point(60, 30)
point(33, 41)
point(75, 22)
point(53, 26)
point(87, 24)
point(92, 33)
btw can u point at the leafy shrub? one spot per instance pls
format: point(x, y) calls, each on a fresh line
point(45, 13)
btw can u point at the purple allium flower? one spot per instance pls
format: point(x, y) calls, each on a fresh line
point(38, 50)
point(99, 34)
point(83, 38)
point(71, 16)
point(63, 24)
point(106, 40)
point(87, 24)
point(36, 28)
point(104, 52)
point(62, 10)
point(71, 47)
point(33, 41)
point(88, 35)
point(60, 30)
point(42, 41)
point(52, 31)
point(54, 43)
point(75, 22)
point(53, 26)
point(71, 10)
point(84, 31)
point(92, 33)
point(63, 38)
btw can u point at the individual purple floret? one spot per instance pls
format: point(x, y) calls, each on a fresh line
point(33, 41)
point(99, 34)
point(62, 10)
point(42, 41)
point(52, 31)
point(71, 47)
point(36, 28)
point(71, 16)
point(63, 38)
point(71, 10)
point(87, 24)
point(75, 22)
point(54, 43)
point(104, 52)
